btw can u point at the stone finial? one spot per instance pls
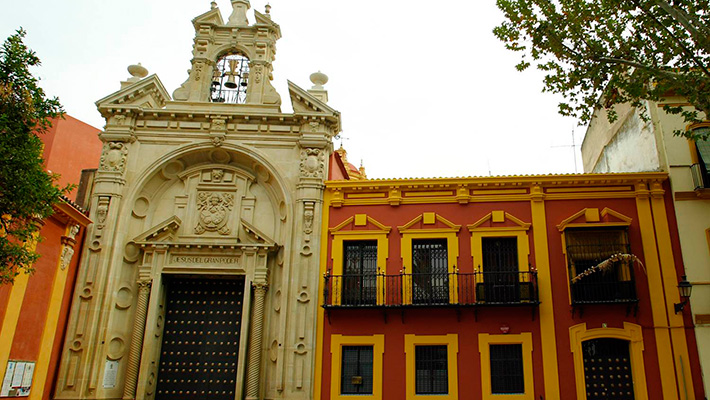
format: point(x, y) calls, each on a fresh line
point(213, 5)
point(137, 72)
point(318, 79)
point(239, 13)
point(267, 10)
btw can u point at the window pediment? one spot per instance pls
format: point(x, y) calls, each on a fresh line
point(591, 217)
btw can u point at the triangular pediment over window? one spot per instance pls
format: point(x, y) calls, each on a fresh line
point(429, 220)
point(592, 217)
point(359, 222)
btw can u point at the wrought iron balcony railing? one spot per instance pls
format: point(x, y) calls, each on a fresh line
point(430, 289)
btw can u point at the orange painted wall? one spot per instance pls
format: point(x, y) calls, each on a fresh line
point(70, 146)
point(39, 288)
point(441, 321)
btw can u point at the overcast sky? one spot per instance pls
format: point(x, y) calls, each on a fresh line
point(424, 90)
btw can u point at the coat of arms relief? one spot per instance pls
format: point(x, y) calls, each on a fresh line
point(214, 209)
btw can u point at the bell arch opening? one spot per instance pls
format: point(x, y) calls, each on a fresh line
point(230, 79)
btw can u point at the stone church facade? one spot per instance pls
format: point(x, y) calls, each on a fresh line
point(199, 275)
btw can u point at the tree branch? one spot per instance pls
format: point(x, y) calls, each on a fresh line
point(682, 18)
point(680, 44)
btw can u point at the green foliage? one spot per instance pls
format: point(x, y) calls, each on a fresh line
point(597, 53)
point(27, 192)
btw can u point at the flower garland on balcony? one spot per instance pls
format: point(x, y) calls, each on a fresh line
point(608, 264)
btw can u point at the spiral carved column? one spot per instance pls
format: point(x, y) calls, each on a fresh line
point(134, 354)
point(255, 341)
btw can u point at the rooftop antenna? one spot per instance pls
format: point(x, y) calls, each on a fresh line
point(573, 146)
point(488, 160)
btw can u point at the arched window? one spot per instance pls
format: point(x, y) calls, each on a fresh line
point(230, 79)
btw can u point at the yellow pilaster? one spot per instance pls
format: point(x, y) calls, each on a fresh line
point(318, 379)
point(547, 319)
point(655, 286)
point(12, 315)
point(50, 327)
point(670, 285)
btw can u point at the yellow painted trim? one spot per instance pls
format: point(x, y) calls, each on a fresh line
point(608, 211)
point(451, 341)
point(567, 222)
point(670, 285)
point(589, 189)
point(12, 313)
point(49, 331)
point(504, 191)
point(484, 342)
point(320, 320)
point(452, 251)
point(508, 216)
point(382, 254)
point(424, 194)
point(378, 348)
point(655, 285)
point(631, 332)
point(366, 195)
point(351, 220)
point(546, 311)
point(439, 218)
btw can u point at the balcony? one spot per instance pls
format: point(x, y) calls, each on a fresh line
point(453, 289)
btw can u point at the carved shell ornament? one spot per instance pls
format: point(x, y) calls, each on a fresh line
point(214, 211)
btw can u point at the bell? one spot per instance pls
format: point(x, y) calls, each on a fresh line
point(230, 81)
point(216, 75)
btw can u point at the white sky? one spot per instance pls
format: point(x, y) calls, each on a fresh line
point(424, 90)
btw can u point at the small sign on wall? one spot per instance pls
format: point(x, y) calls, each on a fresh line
point(18, 379)
point(110, 373)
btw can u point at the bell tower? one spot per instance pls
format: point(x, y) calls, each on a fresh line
point(232, 61)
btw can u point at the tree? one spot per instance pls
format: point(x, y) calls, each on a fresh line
point(597, 53)
point(27, 192)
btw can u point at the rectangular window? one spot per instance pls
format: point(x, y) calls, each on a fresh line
point(356, 371)
point(430, 271)
point(702, 168)
point(431, 370)
point(591, 283)
point(360, 272)
point(507, 375)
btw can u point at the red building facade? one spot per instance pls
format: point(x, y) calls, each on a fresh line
point(553, 287)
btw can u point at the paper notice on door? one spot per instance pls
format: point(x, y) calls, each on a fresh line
point(7, 380)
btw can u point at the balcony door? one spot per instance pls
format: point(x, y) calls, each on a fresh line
point(360, 273)
point(430, 272)
point(500, 270)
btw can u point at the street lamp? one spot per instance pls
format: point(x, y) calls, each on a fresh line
point(684, 290)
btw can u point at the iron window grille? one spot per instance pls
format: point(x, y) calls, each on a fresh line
point(430, 272)
point(230, 80)
point(607, 369)
point(359, 273)
point(356, 371)
point(507, 369)
point(587, 248)
point(432, 373)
